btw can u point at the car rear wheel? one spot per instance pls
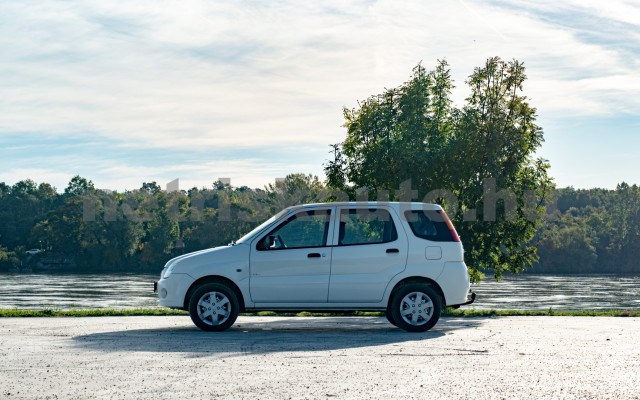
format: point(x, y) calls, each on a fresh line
point(415, 307)
point(213, 307)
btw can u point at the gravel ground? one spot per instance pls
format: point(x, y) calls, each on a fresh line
point(320, 358)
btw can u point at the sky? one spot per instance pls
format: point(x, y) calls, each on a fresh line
point(125, 92)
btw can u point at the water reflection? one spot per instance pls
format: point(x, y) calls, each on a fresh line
point(36, 291)
point(560, 292)
point(519, 292)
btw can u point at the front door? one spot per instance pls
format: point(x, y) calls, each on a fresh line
point(292, 262)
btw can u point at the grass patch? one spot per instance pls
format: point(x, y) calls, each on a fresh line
point(447, 312)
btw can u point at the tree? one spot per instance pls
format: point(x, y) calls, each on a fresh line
point(46, 191)
point(5, 189)
point(24, 188)
point(295, 189)
point(21, 207)
point(161, 228)
point(412, 133)
point(79, 186)
point(8, 258)
point(151, 187)
point(567, 247)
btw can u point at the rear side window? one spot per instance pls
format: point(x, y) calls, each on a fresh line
point(429, 224)
point(366, 226)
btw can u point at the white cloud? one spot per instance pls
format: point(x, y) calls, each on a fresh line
point(55, 178)
point(105, 174)
point(216, 75)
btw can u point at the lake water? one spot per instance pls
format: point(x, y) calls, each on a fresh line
point(65, 291)
point(519, 292)
point(560, 292)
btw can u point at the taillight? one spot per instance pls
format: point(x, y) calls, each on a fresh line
point(454, 234)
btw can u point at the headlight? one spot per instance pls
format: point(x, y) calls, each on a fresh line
point(168, 271)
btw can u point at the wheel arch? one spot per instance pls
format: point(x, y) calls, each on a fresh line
point(418, 279)
point(214, 279)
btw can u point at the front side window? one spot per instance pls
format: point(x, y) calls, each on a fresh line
point(304, 229)
point(366, 226)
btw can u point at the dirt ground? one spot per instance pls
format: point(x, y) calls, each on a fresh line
point(320, 358)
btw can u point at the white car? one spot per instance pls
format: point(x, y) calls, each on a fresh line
point(401, 258)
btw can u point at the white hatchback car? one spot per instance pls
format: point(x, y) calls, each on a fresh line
point(401, 258)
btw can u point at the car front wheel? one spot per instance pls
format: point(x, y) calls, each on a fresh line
point(213, 307)
point(390, 318)
point(415, 308)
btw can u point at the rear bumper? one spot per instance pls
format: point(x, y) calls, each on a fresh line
point(454, 282)
point(473, 298)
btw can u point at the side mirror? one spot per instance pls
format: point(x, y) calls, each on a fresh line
point(271, 241)
point(267, 242)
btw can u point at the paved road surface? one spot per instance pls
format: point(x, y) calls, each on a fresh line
point(320, 358)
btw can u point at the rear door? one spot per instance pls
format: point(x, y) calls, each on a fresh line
point(370, 247)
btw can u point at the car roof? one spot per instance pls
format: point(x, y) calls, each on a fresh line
point(373, 204)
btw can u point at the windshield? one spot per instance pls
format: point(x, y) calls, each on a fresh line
point(249, 236)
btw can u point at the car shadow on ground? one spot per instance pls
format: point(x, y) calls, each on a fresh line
point(247, 336)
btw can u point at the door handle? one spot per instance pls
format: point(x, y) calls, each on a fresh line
point(313, 255)
point(393, 251)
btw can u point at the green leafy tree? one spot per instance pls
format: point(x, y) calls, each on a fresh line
point(623, 227)
point(79, 185)
point(295, 189)
point(161, 214)
point(5, 190)
point(8, 259)
point(567, 246)
point(22, 206)
point(412, 133)
point(151, 187)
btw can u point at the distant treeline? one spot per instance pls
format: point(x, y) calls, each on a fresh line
point(591, 231)
point(88, 230)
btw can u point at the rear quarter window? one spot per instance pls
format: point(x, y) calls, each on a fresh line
point(429, 225)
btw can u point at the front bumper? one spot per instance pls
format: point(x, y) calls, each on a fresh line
point(172, 290)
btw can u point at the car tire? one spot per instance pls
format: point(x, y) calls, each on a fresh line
point(213, 307)
point(389, 318)
point(415, 307)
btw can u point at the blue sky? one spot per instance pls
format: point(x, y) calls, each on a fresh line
point(128, 92)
